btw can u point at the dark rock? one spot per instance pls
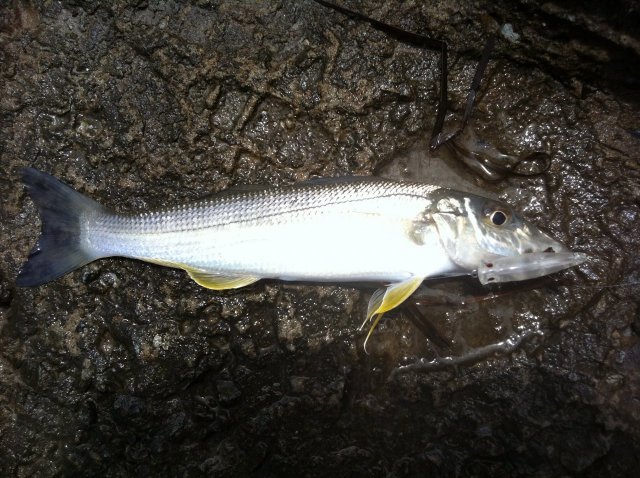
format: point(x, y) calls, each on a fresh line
point(125, 368)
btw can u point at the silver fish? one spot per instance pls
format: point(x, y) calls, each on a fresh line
point(332, 230)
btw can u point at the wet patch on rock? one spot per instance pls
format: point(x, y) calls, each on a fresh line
point(123, 367)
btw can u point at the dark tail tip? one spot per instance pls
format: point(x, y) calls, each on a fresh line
point(59, 249)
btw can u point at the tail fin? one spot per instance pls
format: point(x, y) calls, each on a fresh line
point(59, 249)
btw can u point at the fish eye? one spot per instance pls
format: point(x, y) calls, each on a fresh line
point(496, 214)
point(498, 217)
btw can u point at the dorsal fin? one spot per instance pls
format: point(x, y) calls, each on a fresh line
point(255, 188)
point(245, 188)
point(337, 180)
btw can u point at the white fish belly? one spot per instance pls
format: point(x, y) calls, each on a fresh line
point(344, 246)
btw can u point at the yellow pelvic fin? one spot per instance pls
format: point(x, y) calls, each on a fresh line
point(383, 300)
point(220, 281)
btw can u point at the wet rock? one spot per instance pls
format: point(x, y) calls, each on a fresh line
point(126, 368)
point(227, 392)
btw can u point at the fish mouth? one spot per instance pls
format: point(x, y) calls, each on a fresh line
point(527, 266)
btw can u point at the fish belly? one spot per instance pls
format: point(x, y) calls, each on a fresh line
point(319, 246)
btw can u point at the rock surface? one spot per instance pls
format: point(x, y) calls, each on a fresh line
point(125, 368)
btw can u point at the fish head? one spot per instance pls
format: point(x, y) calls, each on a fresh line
point(474, 229)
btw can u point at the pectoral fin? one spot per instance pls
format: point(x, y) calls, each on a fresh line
point(220, 281)
point(383, 300)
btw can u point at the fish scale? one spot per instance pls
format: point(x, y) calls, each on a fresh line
point(259, 232)
point(242, 206)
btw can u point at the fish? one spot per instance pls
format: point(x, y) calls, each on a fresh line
point(350, 229)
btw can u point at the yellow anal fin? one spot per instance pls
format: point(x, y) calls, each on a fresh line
point(210, 280)
point(383, 300)
point(220, 281)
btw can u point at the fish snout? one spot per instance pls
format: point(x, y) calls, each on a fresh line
point(542, 242)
